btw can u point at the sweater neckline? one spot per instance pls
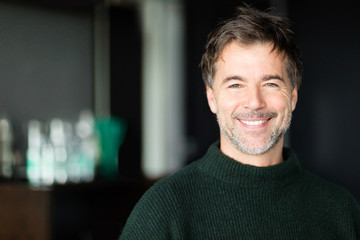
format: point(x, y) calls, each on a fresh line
point(229, 170)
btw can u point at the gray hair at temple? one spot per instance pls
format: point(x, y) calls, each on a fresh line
point(251, 26)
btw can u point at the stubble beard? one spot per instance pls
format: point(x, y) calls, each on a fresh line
point(242, 145)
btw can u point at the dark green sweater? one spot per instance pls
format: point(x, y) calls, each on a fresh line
point(217, 197)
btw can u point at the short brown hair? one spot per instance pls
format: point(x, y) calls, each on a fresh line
point(251, 26)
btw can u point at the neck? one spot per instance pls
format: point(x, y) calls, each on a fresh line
point(271, 157)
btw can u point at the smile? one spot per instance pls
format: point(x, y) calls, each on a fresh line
point(253, 123)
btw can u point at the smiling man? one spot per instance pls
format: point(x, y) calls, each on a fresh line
point(247, 186)
point(253, 99)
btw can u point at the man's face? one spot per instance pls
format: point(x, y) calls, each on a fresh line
point(252, 98)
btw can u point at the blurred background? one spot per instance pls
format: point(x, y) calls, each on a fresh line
point(99, 99)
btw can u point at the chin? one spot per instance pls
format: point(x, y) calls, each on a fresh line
point(258, 149)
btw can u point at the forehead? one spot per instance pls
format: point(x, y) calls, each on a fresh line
point(259, 58)
point(257, 48)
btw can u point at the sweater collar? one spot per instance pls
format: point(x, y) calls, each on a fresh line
point(231, 171)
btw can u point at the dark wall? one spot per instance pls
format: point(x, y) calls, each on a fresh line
point(125, 43)
point(325, 132)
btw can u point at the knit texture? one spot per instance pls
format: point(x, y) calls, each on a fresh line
point(217, 197)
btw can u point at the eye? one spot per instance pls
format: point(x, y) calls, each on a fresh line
point(234, 86)
point(271, 84)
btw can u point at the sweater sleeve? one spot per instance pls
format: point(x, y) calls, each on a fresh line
point(152, 216)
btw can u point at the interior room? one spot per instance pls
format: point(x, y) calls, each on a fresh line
point(99, 99)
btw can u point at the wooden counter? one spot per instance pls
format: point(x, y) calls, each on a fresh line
point(75, 211)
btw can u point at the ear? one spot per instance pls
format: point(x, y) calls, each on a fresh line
point(211, 99)
point(294, 97)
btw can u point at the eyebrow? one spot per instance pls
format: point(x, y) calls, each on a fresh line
point(269, 77)
point(233, 77)
point(264, 78)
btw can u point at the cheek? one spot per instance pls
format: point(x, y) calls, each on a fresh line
point(229, 104)
point(280, 104)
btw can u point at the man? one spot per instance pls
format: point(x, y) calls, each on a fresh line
point(247, 186)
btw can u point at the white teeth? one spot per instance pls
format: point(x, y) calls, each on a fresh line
point(253, 123)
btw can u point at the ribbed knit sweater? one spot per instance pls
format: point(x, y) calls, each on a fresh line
point(217, 197)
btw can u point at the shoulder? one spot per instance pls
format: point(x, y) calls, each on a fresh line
point(329, 192)
point(160, 207)
point(169, 189)
point(331, 206)
point(178, 181)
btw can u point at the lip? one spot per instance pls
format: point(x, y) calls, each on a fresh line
point(254, 123)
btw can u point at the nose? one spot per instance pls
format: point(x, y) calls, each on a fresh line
point(254, 99)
